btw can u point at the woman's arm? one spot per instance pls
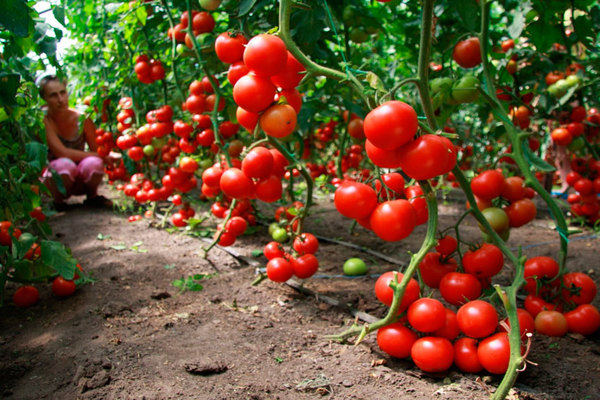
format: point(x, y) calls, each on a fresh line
point(59, 149)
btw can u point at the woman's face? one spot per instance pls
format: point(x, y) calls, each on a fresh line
point(56, 95)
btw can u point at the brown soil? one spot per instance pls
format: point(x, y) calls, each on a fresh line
point(131, 335)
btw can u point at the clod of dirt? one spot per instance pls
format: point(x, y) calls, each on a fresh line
point(100, 379)
point(205, 368)
point(160, 295)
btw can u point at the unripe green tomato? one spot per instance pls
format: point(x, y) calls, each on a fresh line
point(148, 150)
point(180, 49)
point(465, 90)
point(358, 35)
point(210, 5)
point(561, 87)
point(205, 163)
point(572, 80)
point(443, 85)
point(497, 218)
point(280, 235)
point(577, 143)
point(488, 238)
point(272, 227)
point(159, 142)
point(355, 266)
point(553, 90)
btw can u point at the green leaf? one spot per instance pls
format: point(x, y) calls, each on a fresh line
point(375, 82)
point(37, 154)
point(56, 256)
point(169, 266)
point(58, 181)
point(23, 244)
point(468, 10)
point(584, 29)
point(102, 236)
point(9, 83)
point(119, 246)
point(245, 7)
point(535, 161)
point(256, 253)
point(14, 16)
point(59, 14)
point(141, 14)
point(543, 34)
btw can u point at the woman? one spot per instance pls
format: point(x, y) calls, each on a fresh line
point(67, 133)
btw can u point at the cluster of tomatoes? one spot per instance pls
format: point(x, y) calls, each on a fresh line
point(390, 129)
point(560, 82)
point(262, 72)
point(551, 294)
point(27, 295)
point(492, 190)
point(570, 133)
point(484, 343)
point(202, 22)
point(301, 262)
point(391, 219)
point(148, 70)
point(585, 179)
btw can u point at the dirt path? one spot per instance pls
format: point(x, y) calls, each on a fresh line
point(131, 335)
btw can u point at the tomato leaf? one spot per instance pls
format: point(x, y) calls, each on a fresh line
point(534, 160)
point(14, 16)
point(245, 7)
point(55, 255)
point(585, 33)
point(37, 154)
point(543, 34)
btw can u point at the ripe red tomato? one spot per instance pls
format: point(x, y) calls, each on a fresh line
point(279, 269)
point(385, 294)
point(513, 188)
point(585, 319)
point(484, 262)
point(258, 163)
point(535, 305)
point(26, 296)
point(235, 184)
point(278, 120)
point(526, 322)
point(494, 353)
point(203, 22)
point(38, 214)
point(393, 220)
point(265, 55)
point(306, 243)
point(291, 74)
point(458, 288)
point(426, 315)
point(551, 323)
point(273, 249)
point(450, 329)
point(391, 125)
point(427, 157)
point(226, 239)
point(230, 49)
point(254, 93)
point(467, 53)
point(236, 226)
point(465, 355)
point(356, 129)
point(433, 268)
point(393, 185)
point(382, 158)
point(507, 45)
point(179, 219)
point(396, 340)
point(355, 200)
point(432, 354)
point(488, 185)
point(521, 212)
point(579, 288)
point(446, 245)
point(305, 266)
point(537, 268)
point(561, 136)
point(269, 189)
point(477, 318)
point(62, 287)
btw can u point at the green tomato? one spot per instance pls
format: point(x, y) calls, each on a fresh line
point(465, 90)
point(553, 90)
point(578, 143)
point(497, 218)
point(561, 87)
point(159, 142)
point(441, 85)
point(280, 235)
point(272, 227)
point(572, 80)
point(148, 150)
point(210, 5)
point(488, 238)
point(205, 163)
point(358, 35)
point(355, 266)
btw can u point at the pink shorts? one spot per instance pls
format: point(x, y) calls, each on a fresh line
point(84, 171)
